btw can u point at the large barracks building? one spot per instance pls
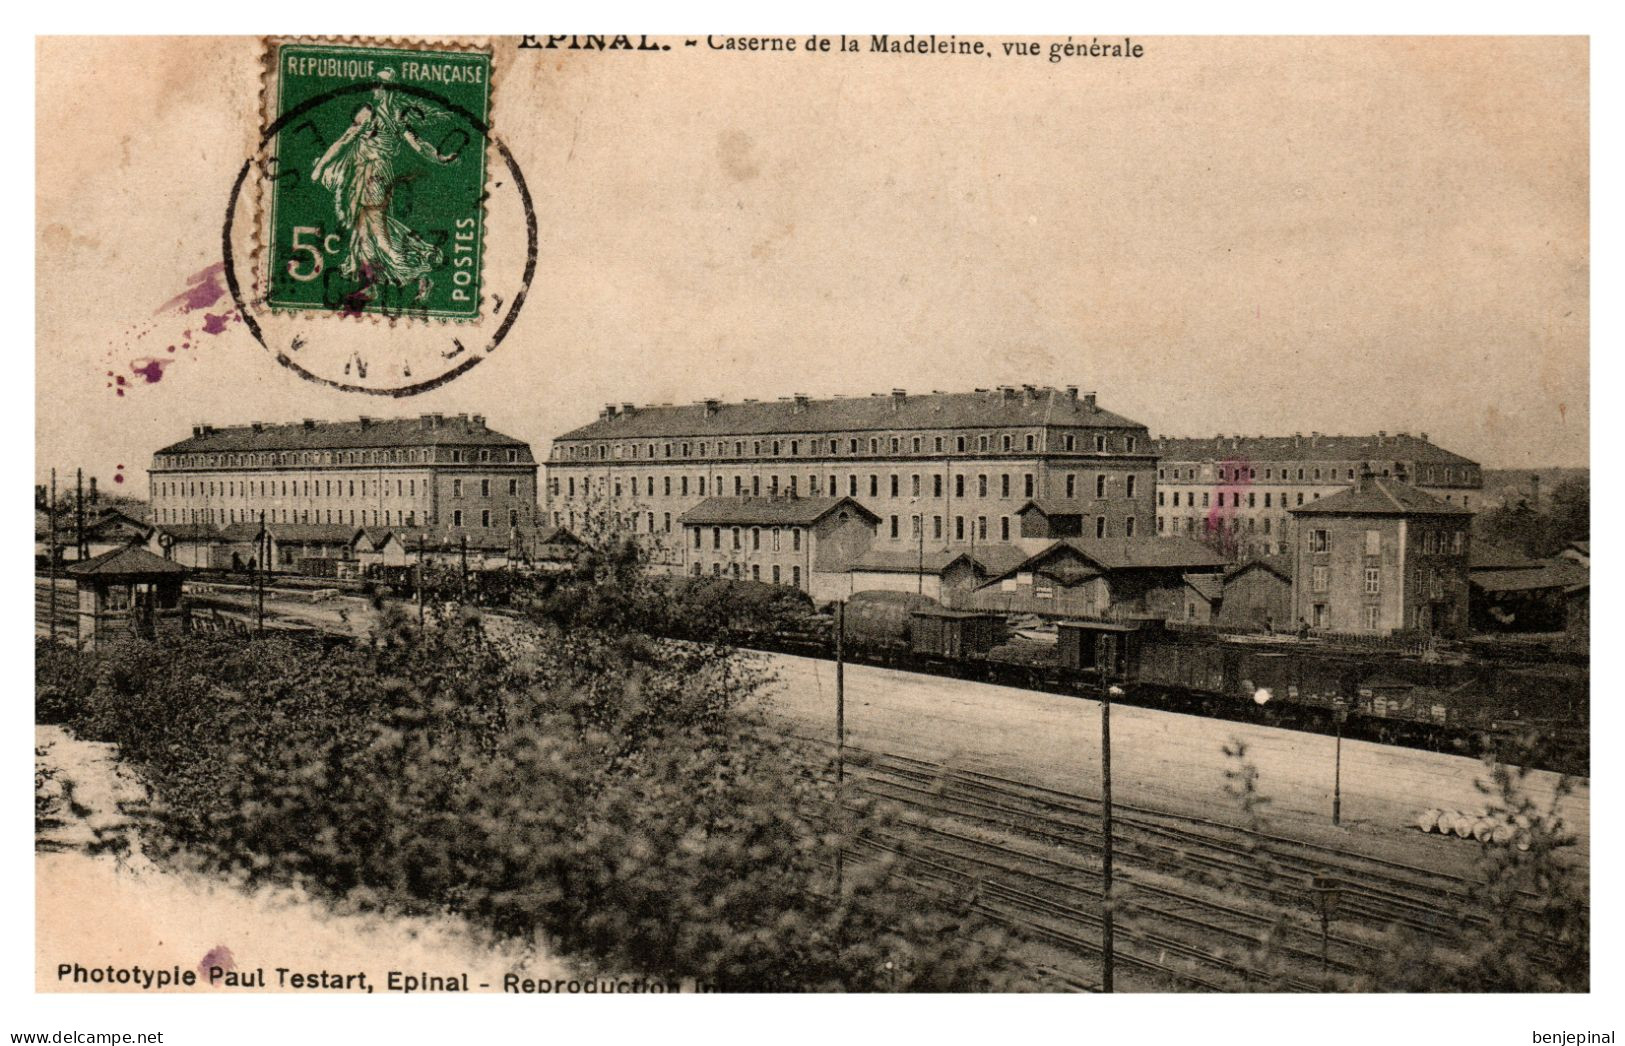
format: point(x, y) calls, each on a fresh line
point(1242, 489)
point(938, 471)
point(452, 474)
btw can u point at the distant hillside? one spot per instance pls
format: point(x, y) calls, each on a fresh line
point(1501, 485)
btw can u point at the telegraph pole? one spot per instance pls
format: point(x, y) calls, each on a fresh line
point(840, 729)
point(262, 542)
point(79, 515)
point(919, 525)
point(462, 543)
point(1338, 715)
point(50, 552)
point(419, 585)
point(1107, 956)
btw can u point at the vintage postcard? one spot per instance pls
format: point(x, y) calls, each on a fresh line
point(626, 514)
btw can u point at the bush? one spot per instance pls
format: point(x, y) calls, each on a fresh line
point(63, 681)
point(604, 788)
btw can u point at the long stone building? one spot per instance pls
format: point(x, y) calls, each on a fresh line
point(1239, 491)
point(451, 474)
point(939, 470)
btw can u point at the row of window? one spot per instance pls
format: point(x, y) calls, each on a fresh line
point(1320, 580)
point(1235, 498)
point(328, 488)
point(1235, 524)
point(331, 457)
point(566, 487)
point(737, 571)
point(384, 517)
point(736, 535)
point(1434, 542)
point(1233, 472)
point(832, 447)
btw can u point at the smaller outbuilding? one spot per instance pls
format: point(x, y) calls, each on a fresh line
point(128, 591)
point(1258, 594)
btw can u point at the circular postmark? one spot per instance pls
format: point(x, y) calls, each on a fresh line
point(370, 243)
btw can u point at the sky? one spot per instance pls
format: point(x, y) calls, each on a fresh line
point(1251, 236)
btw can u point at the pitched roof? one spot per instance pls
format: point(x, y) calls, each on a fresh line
point(459, 430)
point(443, 540)
point(1279, 565)
point(767, 511)
point(1377, 496)
point(330, 533)
point(1048, 507)
point(936, 410)
point(193, 532)
point(238, 532)
point(997, 557)
point(1151, 552)
point(890, 561)
point(558, 536)
point(1208, 586)
point(1169, 553)
point(1551, 576)
point(1401, 447)
point(130, 560)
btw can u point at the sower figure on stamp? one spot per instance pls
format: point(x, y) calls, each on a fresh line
point(359, 169)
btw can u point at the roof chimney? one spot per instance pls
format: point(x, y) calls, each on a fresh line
point(1072, 393)
point(366, 422)
point(257, 426)
point(310, 424)
point(197, 430)
point(1424, 436)
point(1029, 393)
point(479, 421)
point(1364, 477)
point(1009, 392)
point(627, 409)
point(898, 398)
point(800, 401)
point(1089, 402)
point(610, 410)
point(711, 407)
point(426, 421)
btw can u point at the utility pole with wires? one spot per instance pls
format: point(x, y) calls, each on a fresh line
point(51, 552)
point(1103, 655)
point(79, 515)
point(419, 585)
point(262, 542)
point(840, 730)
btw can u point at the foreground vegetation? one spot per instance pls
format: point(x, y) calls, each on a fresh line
point(613, 793)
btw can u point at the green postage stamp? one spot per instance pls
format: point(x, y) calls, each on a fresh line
point(376, 179)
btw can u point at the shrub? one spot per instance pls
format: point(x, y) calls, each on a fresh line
point(607, 789)
point(63, 681)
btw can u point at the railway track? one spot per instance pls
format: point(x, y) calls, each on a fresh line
point(1196, 898)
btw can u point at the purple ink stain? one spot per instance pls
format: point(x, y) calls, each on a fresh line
point(203, 290)
point(151, 369)
point(213, 324)
point(219, 957)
